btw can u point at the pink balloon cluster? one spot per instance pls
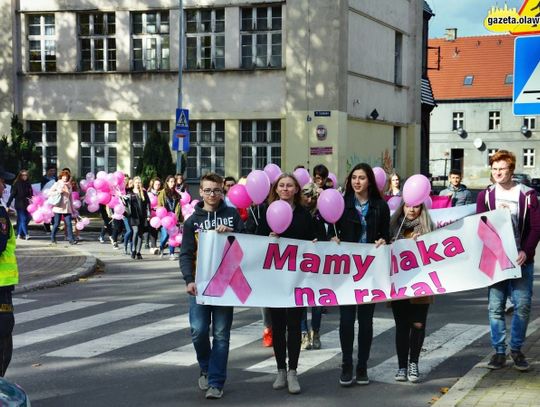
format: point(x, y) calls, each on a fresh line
point(168, 221)
point(40, 210)
point(82, 223)
point(104, 189)
point(189, 208)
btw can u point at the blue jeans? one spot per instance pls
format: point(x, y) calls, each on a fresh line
point(316, 314)
point(23, 217)
point(520, 291)
point(127, 235)
point(347, 316)
point(212, 360)
point(67, 222)
point(163, 240)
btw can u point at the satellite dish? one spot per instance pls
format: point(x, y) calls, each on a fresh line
point(478, 142)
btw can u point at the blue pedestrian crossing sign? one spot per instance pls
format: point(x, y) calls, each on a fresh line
point(180, 139)
point(526, 95)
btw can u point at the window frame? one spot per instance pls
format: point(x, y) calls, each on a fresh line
point(43, 39)
point(161, 63)
point(200, 34)
point(146, 132)
point(529, 157)
point(494, 120)
point(197, 144)
point(529, 122)
point(457, 121)
point(253, 32)
point(106, 144)
point(253, 143)
point(109, 64)
point(468, 80)
point(44, 144)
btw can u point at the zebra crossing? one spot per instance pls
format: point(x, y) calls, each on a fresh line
point(439, 345)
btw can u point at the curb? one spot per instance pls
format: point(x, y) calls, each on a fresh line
point(88, 268)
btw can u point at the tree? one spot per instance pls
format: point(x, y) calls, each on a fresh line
point(21, 153)
point(156, 160)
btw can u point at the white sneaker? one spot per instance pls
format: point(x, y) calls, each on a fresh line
point(292, 382)
point(401, 375)
point(172, 257)
point(413, 374)
point(27, 237)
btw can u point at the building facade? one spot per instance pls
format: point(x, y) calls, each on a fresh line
point(290, 82)
point(473, 118)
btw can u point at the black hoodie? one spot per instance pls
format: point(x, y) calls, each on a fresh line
point(204, 220)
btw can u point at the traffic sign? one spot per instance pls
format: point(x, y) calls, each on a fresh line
point(180, 140)
point(182, 119)
point(526, 95)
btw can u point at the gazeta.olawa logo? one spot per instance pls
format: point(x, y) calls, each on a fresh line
point(505, 19)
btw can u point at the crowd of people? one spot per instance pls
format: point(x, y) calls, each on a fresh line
point(365, 219)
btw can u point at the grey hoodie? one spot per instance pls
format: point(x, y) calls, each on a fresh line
point(460, 195)
point(204, 220)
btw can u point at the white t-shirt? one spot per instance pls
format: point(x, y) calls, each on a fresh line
point(509, 199)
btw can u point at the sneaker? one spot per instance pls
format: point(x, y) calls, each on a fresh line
point(292, 382)
point(27, 237)
point(161, 254)
point(306, 343)
point(520, 363)
point(101, 240)
point(139, 256)
point(53, 243)
point(19, 237)
point(172, 257)
point(346, 378)
point(361, 376)
point(115, 246)
point(214, 393)
point(413, 374)
point(497, 361)
point(267, 337)
point(315, 340)
point(281, 380)
point(73, 242)
point(401, 375)
point(133, 255)
point(203, 381)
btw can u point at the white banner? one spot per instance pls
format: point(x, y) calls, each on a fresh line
point(256, 271)
point(446, 216)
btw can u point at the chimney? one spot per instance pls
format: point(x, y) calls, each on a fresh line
point(451, 34)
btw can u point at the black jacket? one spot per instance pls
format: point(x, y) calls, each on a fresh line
point(204, 220)
point(139, 210)
point(378, 221)
point(21, 191)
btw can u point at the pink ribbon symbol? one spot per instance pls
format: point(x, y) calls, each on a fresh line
point(493, 250)
point(229, 273)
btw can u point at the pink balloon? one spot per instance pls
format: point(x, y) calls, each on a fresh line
point(90, 176)
point(93, 208)
point(153, 200)
point(279, 216)
point(112, 180)
point(178, 239)
point(103, 197)
point(161, 212)
point(394, 202)
point(38, 199)
point(101, 175)
point(380, 177)
point(113, 202)
point(37, 216)
point(75, 195)
point(428, 203)
point(333, 178)
point(100, 184)
point(173, 243)
point(85, 221)
point(302, 176)
point(79, 226)
point(257, 186)
point(273, 172)
point(32, 208)
point(416, 190)
point(168, 222)
point(117, 216)
point(77, 204)
point(119, 208)
point(331, 205)
point(239, 196)
point(185, 198)
point(194, 202)
point(84, 185)
point(155, 222)
point(120, 177)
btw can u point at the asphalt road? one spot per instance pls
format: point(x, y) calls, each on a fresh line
point(121, 338)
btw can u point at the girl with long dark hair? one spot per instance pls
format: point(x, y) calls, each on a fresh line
point(170, 199)
point(21, 192)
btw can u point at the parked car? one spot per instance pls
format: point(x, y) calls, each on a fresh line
point(522, 179)
point(12, 395)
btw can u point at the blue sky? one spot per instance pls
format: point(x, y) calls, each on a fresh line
point(465, 15)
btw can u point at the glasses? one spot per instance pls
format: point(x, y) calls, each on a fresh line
point(216, 191)
point(499, 169)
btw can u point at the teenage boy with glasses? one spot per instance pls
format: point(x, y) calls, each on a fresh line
point(210, 214)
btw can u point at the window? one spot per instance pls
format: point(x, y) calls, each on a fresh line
point(97, 42)
point(490, 152)
point(398, 50)
point(260, 144)
point(529, 122)
point(207, 148)
point(140, 132)
point(43, 134)
point(261, 37)
point(528, 157)
point(205, 39)
point(150, 40)
point(457, 120)
point(41, 43)
point(468, 80)
point(495, 120)
point(98, 146)
point(509, 79)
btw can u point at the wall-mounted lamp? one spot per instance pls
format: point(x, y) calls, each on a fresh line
point(525, 131)
point(461, 132)
point(374, 114)
point(478, 143)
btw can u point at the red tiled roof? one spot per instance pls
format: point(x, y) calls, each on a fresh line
point(488, 58)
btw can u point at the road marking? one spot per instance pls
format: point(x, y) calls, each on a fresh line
point(439, 346)
point(330, 348)
point(19, 301)
point(67, 328)
point(45, 312)
point(185, 355)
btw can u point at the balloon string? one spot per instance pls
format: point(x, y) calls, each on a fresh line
point(335, 230)
point(254, 217)
point(399, 230)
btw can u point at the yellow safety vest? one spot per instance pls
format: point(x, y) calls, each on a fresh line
point(9, 272)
